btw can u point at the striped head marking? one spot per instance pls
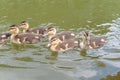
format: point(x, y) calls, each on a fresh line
point(55, 41)
point(50, 31)
point(85, 33)
point(24, 25)
point(14, 29)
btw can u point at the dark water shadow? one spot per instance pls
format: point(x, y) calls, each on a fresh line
point(83, 52)
point(9, 66)
point(25, 59)
point(22, 46)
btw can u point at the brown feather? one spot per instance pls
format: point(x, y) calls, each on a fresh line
point(71, 44)
point(95, 42)
point(28, 38)
point(67, 35)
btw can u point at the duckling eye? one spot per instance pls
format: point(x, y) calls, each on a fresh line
point(11, 28)
point(84, 34)
point(50, 29)
point(53, 40)
point(23, 23)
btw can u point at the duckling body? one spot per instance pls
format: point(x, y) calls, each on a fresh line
point(59, 46)
point(23, 38)
point(39, 30)
point(92, 42)
point(96, 42)
point(25, 26)
point(66, 35)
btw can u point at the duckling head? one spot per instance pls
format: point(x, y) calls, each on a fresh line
point(50, 31)
point(55, 41)
point(24, 25)
point(14, 29)
point(86, 37)
point(85, 40)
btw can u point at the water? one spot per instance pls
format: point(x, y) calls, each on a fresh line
point(37, 62)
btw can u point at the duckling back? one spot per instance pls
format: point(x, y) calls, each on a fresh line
point(28, 38)
point(65, 45)
point(39, 30)
point(97, 42)
point(66, 35)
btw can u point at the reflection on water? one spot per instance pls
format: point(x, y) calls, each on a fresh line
point(112, 77)
point(27, 59)
point(101, 64)
point(53, 56)
point(83, 52)
point(37, 62)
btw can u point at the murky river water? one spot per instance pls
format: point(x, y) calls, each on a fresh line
point(37, 62)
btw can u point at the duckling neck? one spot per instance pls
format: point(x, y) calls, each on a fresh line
point(13, 36)
point(53, 47)
point(14, 39)
point(83, 44)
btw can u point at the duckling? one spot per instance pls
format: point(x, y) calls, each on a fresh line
point(22, 38)
point(4, 36)
point(25, 26)
point(51, 33)
point(59, 46)
point(92, 42)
